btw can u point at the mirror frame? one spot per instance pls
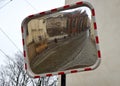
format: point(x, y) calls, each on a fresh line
point(66, 7)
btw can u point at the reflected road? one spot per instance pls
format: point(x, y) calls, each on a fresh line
point(66, 54)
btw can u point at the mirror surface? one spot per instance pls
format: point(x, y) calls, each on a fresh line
point(61, 41)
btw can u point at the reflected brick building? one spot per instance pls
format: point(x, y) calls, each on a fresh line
point(77, 21)
point(68, 23)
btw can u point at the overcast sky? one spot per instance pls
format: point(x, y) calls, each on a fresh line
point(12, 12)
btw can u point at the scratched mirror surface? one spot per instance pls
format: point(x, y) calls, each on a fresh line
point(61, 41)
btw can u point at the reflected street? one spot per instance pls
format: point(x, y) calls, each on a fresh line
point(71, 52)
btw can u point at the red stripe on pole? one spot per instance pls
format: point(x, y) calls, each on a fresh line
point(23, 41)
point(79, 3)
point(22, 29)
point(93, 12)
point(60, 73)
point(30, 16)
point(99, 54)
point(48, 74)
point(95, 25)
point(24, 54)
point(97, 39)
point(66, 6)
point(74, 71)
point(42, 13)
point(36, 76)
point(87, 69)
point(25, 66)
point(53, 10)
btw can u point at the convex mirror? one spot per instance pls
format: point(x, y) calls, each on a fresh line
point(61, 40)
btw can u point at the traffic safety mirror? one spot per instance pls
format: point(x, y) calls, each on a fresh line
point(62, 40)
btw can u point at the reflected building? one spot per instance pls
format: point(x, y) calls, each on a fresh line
point(77, 21)
point(36, 37)
point(37, 29)
point(56, 25)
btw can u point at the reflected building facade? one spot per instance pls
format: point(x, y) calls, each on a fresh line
point(77, 21)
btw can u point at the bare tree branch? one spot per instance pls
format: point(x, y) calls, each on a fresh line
point(13, 74)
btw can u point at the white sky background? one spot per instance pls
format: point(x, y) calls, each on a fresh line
point(11, 16)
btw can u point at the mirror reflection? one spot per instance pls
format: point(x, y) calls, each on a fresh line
point(61, 41)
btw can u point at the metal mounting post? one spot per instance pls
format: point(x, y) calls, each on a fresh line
point(63, 80)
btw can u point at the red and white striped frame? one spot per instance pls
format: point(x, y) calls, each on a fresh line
point(23, 30)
